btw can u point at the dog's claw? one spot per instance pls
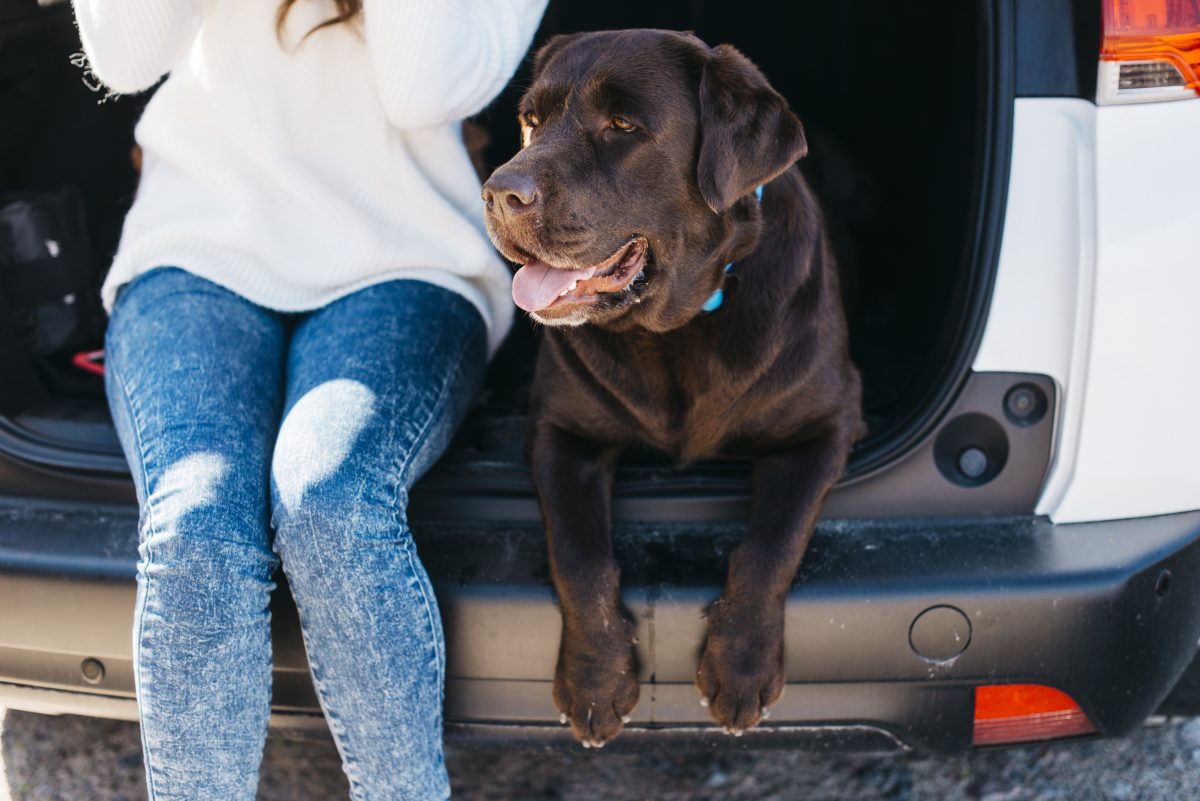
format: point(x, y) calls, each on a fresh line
point(703, 701)
point(563, 719)
point(766, 713)
point(626, 718)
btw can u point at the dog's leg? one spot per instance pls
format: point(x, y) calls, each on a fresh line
point(741, 669)
point(594, 685)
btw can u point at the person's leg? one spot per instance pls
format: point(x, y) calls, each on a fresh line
point(376, 384)
point(194, 375)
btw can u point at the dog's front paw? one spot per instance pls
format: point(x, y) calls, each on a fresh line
point(595, 685)
point(741, 669)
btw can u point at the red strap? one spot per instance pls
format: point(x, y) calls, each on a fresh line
point(91, 361)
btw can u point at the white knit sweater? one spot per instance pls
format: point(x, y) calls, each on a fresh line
point(296, 174)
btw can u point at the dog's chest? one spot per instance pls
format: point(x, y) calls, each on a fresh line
point(682, 400)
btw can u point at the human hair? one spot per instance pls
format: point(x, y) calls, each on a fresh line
point(346, 11)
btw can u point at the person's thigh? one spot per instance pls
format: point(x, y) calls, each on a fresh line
point(194, 375)
point(376, 384)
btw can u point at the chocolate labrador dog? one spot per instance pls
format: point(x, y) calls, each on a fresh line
point(685, 309)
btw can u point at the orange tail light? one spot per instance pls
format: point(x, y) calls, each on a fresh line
point(1152, 48)
point(1022, 713)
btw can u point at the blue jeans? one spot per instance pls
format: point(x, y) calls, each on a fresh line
point(258, 438)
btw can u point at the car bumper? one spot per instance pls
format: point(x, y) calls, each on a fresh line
point(1107, 612)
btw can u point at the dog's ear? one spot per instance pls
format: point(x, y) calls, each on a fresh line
point(550, 48)
point(747, 133)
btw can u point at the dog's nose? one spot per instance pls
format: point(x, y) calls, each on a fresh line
point(510, 193)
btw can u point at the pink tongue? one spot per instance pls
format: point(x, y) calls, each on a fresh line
point(537, 284)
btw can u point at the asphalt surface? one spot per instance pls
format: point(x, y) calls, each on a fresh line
point(80, 759)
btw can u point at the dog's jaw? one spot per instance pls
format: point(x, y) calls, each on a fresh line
point(577, 318)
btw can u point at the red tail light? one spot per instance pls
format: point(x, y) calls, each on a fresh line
point(1151, 50)
point(1022, 713)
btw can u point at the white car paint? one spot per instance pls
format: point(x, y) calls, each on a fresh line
point(1098, 286)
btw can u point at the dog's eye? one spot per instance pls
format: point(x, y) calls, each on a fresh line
point(622, 124)
point(529, 123)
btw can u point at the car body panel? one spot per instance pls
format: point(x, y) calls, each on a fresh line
point(1080, 607)
point(1096, 288)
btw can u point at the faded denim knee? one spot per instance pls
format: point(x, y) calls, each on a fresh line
point(328, 499)
point(205, 545)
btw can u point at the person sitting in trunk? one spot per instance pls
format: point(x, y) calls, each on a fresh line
point(302, 305)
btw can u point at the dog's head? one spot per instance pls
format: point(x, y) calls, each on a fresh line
point(641, 151)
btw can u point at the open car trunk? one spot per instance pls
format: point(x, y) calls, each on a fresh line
point(907, 108)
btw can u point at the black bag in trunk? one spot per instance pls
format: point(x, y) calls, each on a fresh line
point(47, 273)
point(49, 309)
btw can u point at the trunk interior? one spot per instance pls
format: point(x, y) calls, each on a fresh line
point(901, 107)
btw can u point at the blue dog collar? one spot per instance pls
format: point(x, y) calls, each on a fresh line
point(718, 297)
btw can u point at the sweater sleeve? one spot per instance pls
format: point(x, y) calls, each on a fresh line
point(130, 44)
point(439, 61)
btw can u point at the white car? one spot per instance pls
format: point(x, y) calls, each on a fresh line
point(1014, 552)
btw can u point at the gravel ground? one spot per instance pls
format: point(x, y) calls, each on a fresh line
point(80, 759)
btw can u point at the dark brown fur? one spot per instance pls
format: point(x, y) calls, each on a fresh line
point(767, 376)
